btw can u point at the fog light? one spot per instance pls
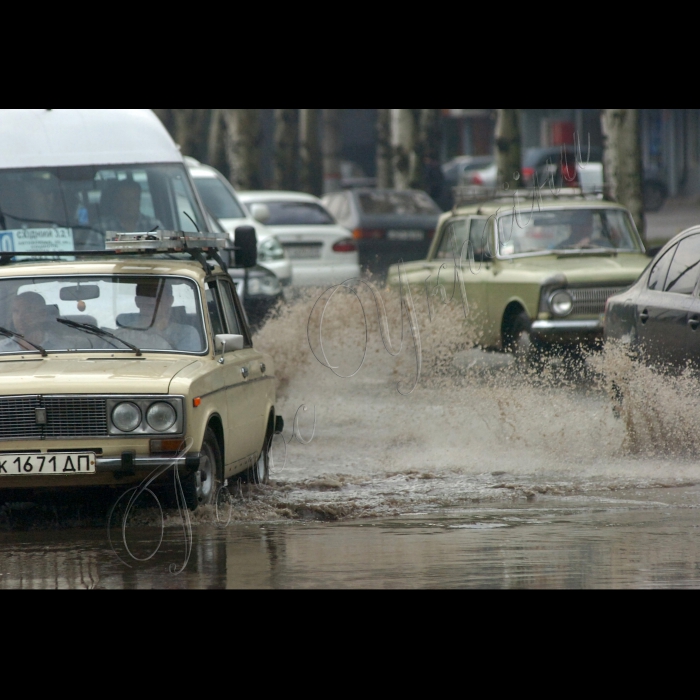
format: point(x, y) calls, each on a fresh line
point(561, 303)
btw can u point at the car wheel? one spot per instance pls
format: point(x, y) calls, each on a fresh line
point(523, 347)
point(654, 196)
point(259, 473)
point(201, 487)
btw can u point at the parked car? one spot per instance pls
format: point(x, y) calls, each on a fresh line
point(566, 167)
point(386, 224)
point(660, 314)
point(352, 175)
point(117, 364)
point(322, 251)
point(222, 202)
point(259, 289)
point(456, 172)
point(542, 278)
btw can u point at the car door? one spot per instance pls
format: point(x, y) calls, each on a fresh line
point(663, 307)
point(465, 239)
point(692, 328)
point(246, 393)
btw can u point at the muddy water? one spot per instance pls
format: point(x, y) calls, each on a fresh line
point(484, 475)
point(634, 540)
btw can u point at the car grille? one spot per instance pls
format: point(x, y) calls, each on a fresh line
point(66, 417)
point(588, 301)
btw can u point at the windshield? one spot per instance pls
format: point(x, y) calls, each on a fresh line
point(152, 313)
point(397, 203)
point(296, 214)
point(568, 229)
point(218, 199)
point(72, 208)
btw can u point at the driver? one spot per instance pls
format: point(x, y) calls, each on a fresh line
point(120, 206)
point(153, 326)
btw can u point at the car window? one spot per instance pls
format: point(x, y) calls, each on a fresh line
point(343, 213)
point(213, 308)
point(229, 308)
point(72, 208)
point(685, 267)
point(389, 202)
point(153, 313)
point(566, 229)
point(296, 214)
point(218, 199)
point(332, 203)
point(457, 232)
point(658, 274)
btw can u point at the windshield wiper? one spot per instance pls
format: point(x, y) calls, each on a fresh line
point(94, 330)
point(11, 334)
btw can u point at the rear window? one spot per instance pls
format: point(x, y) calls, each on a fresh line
point(217, 198)
point(296, 214)
point(397, 203)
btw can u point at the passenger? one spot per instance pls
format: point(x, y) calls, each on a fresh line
point(120, 207)
point(153, 324)
point(581, 235)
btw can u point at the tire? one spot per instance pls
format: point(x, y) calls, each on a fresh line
point(259, 473)
point(654, 196)
point(523, 347)
point(200, 487)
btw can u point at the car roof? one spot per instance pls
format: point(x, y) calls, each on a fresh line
point(68, 137)
point(276, 196)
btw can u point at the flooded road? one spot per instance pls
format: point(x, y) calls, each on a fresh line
point(632, 540)
point(485, 475)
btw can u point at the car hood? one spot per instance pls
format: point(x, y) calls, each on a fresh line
point(85, 375)
point(583, 269)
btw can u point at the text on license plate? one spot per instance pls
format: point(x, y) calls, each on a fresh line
point(50, 463)
point(405, 235)
point(297, 252)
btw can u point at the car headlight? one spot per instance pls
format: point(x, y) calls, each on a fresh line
point(561, 303)
point(270, 249)
point(161, 416)
point(268, 285)
point(126, 416)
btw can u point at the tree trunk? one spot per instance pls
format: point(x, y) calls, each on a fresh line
point(331, 150)
point(286, 133)
point(242, 138)
point(508, 148)
point(428, 175)
point(403, 140)
point(190, 130)
point(311, 170)
point(385, 178)
point(622, 161)
point(216, 148)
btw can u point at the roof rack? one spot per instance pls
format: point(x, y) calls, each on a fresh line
point(466, 195)
point(200, 247)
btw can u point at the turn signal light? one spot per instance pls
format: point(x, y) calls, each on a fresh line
point(196, 402)
point(345, 245)
point(160, 446)
point(368, 233)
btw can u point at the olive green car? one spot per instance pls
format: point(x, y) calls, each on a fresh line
point(536, 275)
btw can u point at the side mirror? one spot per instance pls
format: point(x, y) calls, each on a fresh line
point(225, 342)
point(246, 243)
point(260, 212)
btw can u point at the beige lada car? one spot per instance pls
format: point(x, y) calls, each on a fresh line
point(114, 365)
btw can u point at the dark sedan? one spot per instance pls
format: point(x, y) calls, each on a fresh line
point(660, 314)
point(388, 225)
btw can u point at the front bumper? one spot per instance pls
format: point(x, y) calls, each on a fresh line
point(567, 331)
point(130, 463)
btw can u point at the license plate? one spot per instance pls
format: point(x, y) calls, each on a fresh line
point(405, 235)
point(297, 252)
point(51, 463)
